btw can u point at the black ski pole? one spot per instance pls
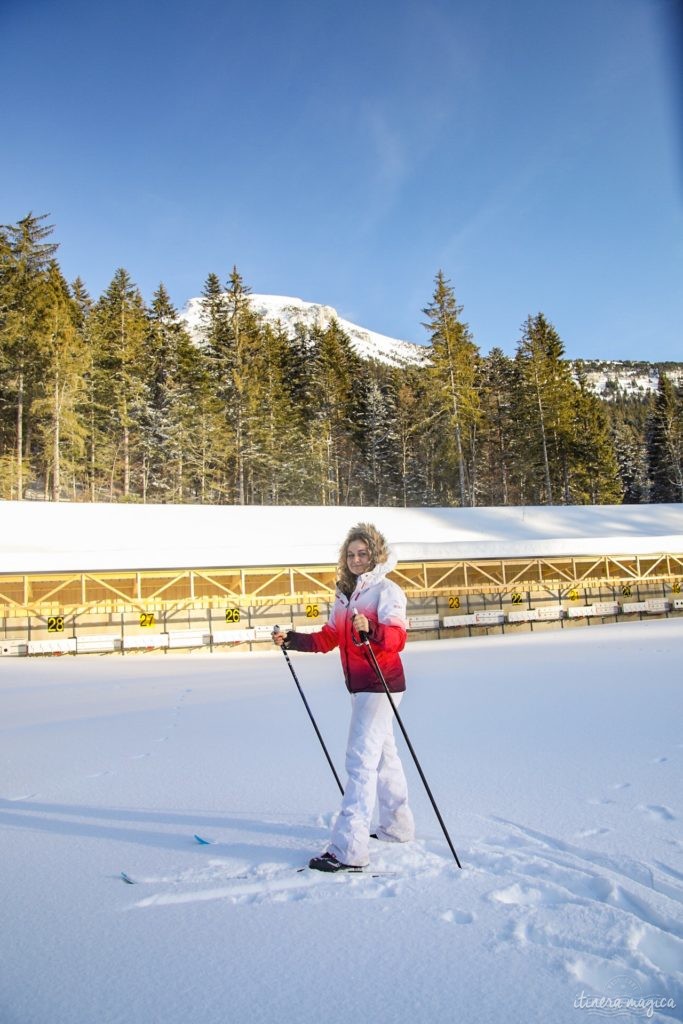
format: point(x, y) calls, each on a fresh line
point(276, 629)
point(380, 675)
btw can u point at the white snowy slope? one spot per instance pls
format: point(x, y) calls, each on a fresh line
point(289, 311)
point(612, 378)
point(44, 536)
point(607, 378)
point(557, 763)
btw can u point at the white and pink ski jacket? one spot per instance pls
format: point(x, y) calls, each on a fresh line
point(384, 605)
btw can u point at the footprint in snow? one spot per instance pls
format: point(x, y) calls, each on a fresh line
point(657, 811)
point(524, 895)
point(626, 912)
point(457, 917)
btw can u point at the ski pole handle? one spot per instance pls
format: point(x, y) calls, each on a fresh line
point(277, 631)
point(362, 633)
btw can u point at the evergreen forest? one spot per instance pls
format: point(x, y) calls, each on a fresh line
point(111, 399)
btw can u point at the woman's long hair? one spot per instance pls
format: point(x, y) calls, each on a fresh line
point(377, 546)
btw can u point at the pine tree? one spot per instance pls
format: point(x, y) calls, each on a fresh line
point(628, 417)
point(322, 372)
point(244, 332)
point(234, 341)
point(544, 412)
point(337, 372)
point(170, 372)
point(6, 418)
point(375, 425)
point(213, 319)
point(631, 454)
point(62, 358)
point(665, 444)
point(90, 471)
point(213, 435)
point(414, 419)
point(277, 464)
point(119, 328)
point(26, 257)
point(594, 471)
point(306, 396)
point(202, 430)
point(453, 372)
point(498, 429)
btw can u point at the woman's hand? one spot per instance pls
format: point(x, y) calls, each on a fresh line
point(360, 623)
point(279, 637)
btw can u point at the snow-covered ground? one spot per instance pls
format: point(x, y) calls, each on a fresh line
point(556, 759)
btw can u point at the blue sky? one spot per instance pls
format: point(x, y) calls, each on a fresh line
point(345, 152)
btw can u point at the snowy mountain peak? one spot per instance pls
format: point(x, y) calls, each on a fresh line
point(608, 379)
point(289, 311)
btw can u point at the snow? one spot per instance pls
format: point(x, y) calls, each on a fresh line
point(289, 311)
point(616, 378)
point(605, 378)
point(556, 759)
point(72, 537)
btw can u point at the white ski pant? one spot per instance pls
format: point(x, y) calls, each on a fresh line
point(374, 773)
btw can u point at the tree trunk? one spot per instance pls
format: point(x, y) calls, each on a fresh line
point(20, 437)
point(126, 462)
point(56, 417)
point(544, 444)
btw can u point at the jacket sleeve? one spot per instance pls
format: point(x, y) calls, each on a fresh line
point(388, 638)
point(322, 641)
point(389, 632)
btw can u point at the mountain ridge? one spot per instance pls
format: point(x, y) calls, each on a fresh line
point(288, 311)
point(607, 378)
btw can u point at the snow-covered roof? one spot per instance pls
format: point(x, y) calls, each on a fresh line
point(65, 537)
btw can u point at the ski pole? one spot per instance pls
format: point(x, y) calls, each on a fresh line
point(276, 629)
point(378, 671)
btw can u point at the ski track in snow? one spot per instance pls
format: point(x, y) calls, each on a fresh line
point(629, 914)
point(237, 882)
point(547, 891)
point(596, 916)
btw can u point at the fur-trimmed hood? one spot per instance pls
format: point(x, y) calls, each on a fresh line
point(382, 557)
point(380, 570)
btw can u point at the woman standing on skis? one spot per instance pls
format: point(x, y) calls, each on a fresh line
point(366, 602)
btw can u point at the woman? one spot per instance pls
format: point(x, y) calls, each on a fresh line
point(366, 602)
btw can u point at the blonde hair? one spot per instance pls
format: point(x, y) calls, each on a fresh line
point(376, 544)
